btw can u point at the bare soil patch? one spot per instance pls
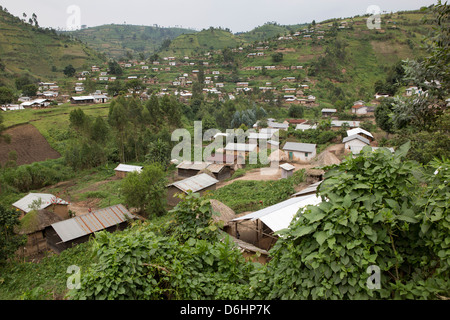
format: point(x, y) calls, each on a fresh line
point(29, 144)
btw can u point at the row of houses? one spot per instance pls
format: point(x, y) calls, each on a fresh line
point(47, 225)
point(253, 232)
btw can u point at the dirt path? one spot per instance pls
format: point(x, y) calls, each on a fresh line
point(263, 174)
point(330, 155)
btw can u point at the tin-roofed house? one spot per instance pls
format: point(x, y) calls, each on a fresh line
point(33, 226)
point(240, 150)
point(328, 112)
point(123, 169)
point(219, 171)
point(188, 169)
point(302, 152)
point(364, 133)
point(68, 233)
point(355, 142)
point(39, 201)
point(258, 227)
point(82, 100)
point(199, 183)
point(337, 124)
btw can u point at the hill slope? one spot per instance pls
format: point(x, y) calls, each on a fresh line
point(341, 58)
point(267, 31)
point(205, 40)
point(116, 40)
point(40, 53)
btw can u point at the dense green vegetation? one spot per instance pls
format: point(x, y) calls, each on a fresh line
point(145, 262)
point(203, 41)
point(127, 41)
point(375, 216)
point(46, 280)
point(39, 53)
point(423, 118)
point(146, 190)
point(267, 31)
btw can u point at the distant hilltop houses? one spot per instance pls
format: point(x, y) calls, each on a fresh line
point(264, 72)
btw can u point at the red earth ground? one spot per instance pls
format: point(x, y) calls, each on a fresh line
point(29, 144)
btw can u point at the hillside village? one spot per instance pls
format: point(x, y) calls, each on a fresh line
point(275, 97)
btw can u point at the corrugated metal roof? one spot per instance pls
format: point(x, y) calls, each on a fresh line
point(271, 131)
point(287, 166)
point(356, 136)
point(310, 189)
point(339, 123)
point(240, 147)
point(301, 147)
point(68, 230)
point(263, 136)
point(195, 183)
point(215, 167)
point(222, 158)
point(46, 198)
point(92, 222)
point(278, 125)
point(81, 98)
point(188, 165)
point(128, 168)
point(358, 131)
point(305, 126)
point(280, 215)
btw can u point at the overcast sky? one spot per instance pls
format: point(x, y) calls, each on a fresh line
point(237, 15)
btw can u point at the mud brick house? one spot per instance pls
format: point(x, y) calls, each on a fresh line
point(199, 183)
point(46, 201)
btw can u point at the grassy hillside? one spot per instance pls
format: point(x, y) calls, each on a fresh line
point(41, 53)
point(267, 31)
point(205, 40)
point(341, 58)
point(116, 40)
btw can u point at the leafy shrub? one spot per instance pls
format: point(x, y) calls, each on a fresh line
point(9, 241)
point(36, 175)
point(316, 136)
point(375, 215)
point(141, 264)
point(146, 190)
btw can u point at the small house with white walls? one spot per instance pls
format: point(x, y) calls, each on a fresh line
point(303, 152)
point(355, 142)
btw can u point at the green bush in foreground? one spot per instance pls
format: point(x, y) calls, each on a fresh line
point(382, 211)
point(141, 264)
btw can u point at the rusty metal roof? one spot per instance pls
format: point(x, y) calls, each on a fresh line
point(92, 222)
point(195, 183)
